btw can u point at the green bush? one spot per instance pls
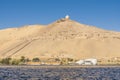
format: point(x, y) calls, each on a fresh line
point(15, 62)
point(36, 60)
point(6, 61)
point(22, 59)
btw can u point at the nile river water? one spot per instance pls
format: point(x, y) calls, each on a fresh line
point(59, 73)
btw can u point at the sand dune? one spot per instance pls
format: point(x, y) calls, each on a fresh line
point(63, 38)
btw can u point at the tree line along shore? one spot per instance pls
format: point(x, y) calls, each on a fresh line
point(55, 61)
point(36, 61)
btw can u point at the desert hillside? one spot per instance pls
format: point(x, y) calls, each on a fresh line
point(62, 38)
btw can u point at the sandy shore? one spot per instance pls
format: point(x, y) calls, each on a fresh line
point(48, 66)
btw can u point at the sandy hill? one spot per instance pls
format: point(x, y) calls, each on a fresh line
point(63, 38)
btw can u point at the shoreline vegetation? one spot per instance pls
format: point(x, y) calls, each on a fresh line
point(61, 62)
point(36, 61)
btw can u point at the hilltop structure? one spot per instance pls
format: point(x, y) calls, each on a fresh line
point(67, 17)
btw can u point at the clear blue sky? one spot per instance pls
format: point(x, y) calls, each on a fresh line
point(101, 13)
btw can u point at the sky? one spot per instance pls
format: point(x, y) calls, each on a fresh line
point(103, 14)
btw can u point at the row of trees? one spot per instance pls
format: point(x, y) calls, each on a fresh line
point(22, 60)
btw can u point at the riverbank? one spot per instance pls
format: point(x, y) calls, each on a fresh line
point(60, 66)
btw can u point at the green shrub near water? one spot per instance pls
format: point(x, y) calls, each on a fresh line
point(10, 61)
point(15, 62)
point(36, 60)
point(6, 61)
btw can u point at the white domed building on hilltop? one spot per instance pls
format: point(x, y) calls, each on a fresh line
point(67, 17)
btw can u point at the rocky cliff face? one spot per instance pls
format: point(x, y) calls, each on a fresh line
point(63, 38)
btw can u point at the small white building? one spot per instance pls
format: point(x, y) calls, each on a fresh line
point(80, 62)
point(90, 61)
point(67, 17)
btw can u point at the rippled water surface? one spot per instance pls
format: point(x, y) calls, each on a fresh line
point(59, 73)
